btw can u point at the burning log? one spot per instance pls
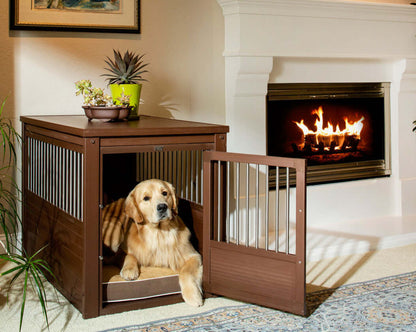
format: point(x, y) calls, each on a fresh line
point(328, 140)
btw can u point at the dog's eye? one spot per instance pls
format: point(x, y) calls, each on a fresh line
point(146, 198)
point(164, 193)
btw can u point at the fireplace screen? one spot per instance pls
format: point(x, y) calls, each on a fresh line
point(341, 129)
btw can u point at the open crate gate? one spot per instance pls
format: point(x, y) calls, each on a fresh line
point(247, 252)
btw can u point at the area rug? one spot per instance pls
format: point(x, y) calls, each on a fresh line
point(387, 304)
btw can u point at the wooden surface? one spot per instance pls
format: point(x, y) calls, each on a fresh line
point(146, 126)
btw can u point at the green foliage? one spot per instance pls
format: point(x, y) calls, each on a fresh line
point(414, 128)
point(96, 96)
point(31, 268)
point(9, 190)
point(125, 69)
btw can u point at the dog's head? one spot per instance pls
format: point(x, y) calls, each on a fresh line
point(152, 201)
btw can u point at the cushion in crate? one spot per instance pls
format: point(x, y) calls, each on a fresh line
point(152, 282)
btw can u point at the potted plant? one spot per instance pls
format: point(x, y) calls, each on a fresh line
point(99, 105)
point(125, 75)
point(31, 268)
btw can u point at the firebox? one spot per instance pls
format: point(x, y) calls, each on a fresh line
point(342, 129)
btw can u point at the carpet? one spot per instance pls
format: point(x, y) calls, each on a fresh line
point(387, 304)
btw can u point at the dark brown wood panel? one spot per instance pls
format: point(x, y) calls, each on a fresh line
point(62, 236)
point(253, 278)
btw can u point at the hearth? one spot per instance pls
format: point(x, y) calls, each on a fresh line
point(342, 129)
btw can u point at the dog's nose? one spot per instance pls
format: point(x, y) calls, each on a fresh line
point(162, 207)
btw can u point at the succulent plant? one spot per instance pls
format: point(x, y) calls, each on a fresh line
point(125, 69)
point(95, 96)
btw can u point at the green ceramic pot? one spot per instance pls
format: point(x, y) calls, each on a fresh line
point(132, 90)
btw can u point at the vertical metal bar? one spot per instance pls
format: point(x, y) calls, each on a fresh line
point(76, 174)
point(174, 164)
point(227, 198)
point(219, 202)
point(237, 219)
point(82, 188)
point(179, 169)
point(192, 175)
point(29, 169)
point(287, 209)
point(267, 208)
point(257, 225)
point(166, 165)
point(186, 174)
point(157, 164)
point(202, 178)
point(248, 204)
point(197, 184)
point(50, 163)
point(276, 226)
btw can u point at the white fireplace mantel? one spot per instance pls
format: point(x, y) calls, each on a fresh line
point(287, 41)
point(318, 28)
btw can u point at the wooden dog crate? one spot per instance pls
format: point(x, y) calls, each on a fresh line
point(72, 167)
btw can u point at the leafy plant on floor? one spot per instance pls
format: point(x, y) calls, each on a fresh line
point(31, 268)
point(414, 128)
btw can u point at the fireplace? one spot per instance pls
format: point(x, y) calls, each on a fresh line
point(342, 129)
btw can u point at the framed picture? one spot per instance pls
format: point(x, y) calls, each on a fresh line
point(76, 15)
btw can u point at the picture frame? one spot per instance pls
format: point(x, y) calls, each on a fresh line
point(114, 16)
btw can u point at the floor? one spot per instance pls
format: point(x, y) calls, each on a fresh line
point(340, 239)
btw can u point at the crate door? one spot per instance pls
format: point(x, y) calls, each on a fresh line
point(254, 229)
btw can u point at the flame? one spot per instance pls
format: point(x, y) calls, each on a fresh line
point(328, 136)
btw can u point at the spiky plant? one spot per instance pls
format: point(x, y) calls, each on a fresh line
point(31, 268)
point(414, 128)
point(125, 69)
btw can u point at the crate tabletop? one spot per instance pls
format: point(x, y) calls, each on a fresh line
point(79, 125)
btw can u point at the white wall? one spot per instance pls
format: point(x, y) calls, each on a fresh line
point(182, 40)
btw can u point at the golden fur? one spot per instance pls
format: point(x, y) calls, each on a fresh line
point(146, 226)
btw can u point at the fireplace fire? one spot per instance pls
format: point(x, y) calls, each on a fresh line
point(324, 140)
point(341, 129)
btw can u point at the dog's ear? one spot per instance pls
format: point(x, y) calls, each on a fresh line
point(132, 209)
point(174, 198)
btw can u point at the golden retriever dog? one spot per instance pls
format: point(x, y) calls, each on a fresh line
point(146, 226)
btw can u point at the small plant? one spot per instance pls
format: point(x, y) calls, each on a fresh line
point(32, 268)
point(125, 69)
point(96, 96)
point(414, 128)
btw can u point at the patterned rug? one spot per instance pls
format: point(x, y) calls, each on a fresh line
point(387, 304)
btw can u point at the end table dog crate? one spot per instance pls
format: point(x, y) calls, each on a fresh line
point(73, 167)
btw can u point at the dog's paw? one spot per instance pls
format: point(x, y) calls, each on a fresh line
point(129, 273)
point(192, 296)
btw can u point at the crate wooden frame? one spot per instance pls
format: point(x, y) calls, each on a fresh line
point(73, 237)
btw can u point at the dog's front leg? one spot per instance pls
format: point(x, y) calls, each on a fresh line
point(130, 270)
point(190, 280)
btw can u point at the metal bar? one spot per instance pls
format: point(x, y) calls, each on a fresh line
point(247, 204)
point(219, 201)
point(186, 174)
point(237, 224)
point(257, 208)
point(267, 208)
point(227, 220)
point(197, 174)
point(287, 209)
point(192, 175)
point(276, 226)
